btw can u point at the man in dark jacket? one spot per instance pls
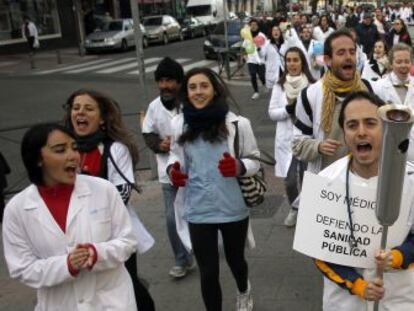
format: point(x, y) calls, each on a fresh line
point(367, 33)
point(352, 20)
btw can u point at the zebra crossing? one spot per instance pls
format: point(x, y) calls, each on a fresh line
point(126, 66)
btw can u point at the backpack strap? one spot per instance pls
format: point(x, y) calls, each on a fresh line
point(107, 155)
point(368, 85)
point(306, 104)
point(269, 161)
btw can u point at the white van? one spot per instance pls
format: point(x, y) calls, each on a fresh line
point(209, 12)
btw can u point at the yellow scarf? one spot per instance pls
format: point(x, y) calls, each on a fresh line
point(330, 85)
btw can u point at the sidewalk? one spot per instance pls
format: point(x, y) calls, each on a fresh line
point(281, 278)
point(42, 60)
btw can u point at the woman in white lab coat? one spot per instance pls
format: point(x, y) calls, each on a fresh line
point(108, 150)
point(282, 110)
point(68, 235)
point(273, 57)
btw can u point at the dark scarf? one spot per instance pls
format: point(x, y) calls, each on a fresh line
point(90, 142)
point(199, 120)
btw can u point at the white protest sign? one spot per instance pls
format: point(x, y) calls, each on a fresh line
point(323, 228)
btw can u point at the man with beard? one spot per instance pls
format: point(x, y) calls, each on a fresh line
point(317, 139)
point(156, 130)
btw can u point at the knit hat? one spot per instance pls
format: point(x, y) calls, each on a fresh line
point(169, 68)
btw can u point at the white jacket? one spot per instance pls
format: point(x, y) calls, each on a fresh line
point(32, 31)
point(284, 130)
point(36, 249)
point(254, 58)
point(123, 160)
point(387, 92)
point(399, 284)
point(273, 61)
point(158, 120)
point(321, 36)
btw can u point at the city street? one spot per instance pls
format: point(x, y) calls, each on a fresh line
point(281, 278)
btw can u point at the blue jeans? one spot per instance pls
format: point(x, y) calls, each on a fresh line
point(182, 256)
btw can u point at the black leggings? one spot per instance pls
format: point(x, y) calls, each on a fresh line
point(204, 238)
point(255, 69)
point(142, 295)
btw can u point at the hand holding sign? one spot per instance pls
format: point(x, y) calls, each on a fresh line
point(384, 260)
point(374, 291)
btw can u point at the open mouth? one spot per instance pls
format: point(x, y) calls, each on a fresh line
point(82, 124)
point(348, 67)
point(364, 147)
point(71, 169)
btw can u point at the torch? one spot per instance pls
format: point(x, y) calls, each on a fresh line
point(397, 121)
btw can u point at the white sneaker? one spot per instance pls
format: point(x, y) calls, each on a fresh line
point(244, 300)
point(290, 220)
point(178, 272)
point(255, 95)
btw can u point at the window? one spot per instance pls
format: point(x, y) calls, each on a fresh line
point(43, 13)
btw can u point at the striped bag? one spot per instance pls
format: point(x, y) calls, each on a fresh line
point(253, 188)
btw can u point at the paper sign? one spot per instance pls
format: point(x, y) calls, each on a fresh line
point(323, 227)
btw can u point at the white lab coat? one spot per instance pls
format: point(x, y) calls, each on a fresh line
point(321, 36)
point(387, 92)
point(309, 54)
point(247, 147)
point(158, 120)
point(273, 62)
point(36, 249)
point(284, 130)
point(399, 284)
point(123, 160)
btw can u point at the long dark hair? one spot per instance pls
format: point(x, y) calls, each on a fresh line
point(404, 26)
point(272, 40)
point(110, 111)
point(305, 66)
point(222, 97)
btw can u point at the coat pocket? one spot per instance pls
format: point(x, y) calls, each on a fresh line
point(101, 230)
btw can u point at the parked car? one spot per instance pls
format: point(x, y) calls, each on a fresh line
point(192, 27)
point(114, 34)
point(162, 28)
point(216, 40)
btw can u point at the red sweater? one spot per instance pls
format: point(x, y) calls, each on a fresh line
point(57, 200)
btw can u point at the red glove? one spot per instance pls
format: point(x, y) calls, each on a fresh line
point(178, 179)
point(228, 165)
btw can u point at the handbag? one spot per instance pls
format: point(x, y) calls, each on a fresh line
point(253, 188)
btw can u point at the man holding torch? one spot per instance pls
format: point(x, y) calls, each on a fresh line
point(350, 288)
